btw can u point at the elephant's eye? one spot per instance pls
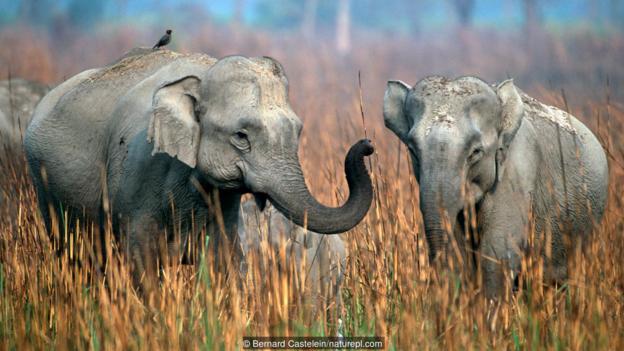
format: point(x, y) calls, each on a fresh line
point(475, 155)
point(241, 141)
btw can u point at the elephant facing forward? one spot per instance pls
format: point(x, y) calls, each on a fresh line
point(168, 142)
point(509, 158)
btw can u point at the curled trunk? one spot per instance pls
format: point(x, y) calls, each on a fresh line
point(291, 196)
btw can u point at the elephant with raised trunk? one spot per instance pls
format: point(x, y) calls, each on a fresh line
point(494, 165)
point(168, 142)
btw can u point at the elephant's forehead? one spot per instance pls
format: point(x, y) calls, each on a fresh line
point(441, 114)
point(248, 92)
point(272, 94)
point(269, 101)
point(443, 88)
point(282, 125)
point(445, 130)
point(445, 101)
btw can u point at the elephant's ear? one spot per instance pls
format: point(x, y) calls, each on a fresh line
point(394, 108)
point(510, 120)
point(173, 127)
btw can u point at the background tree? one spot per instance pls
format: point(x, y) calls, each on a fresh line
point(616, 13)
point(464, 9)
point(343, 27)
point(279, 14)
point(37, 12)
point(85, 14)
point(532, 15)
point(395, 16)
point(308, 24)
point(239, 13)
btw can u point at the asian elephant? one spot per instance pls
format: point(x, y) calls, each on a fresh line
point(18, 98)
point(516, 164)
point(168, 142)
point(266, 232)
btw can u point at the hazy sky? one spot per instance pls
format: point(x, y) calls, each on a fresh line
point(499, 13)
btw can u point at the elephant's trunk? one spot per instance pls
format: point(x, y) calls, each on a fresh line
point(290, 195)
point(439, 206)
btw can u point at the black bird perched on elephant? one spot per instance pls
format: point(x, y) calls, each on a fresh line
point(164, 40)
point(192, 126)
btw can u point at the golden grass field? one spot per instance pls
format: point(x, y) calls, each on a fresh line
point(389, 289)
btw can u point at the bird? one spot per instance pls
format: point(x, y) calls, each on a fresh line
point(164, 40)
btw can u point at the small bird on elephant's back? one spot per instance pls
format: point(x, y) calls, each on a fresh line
point(164, 40)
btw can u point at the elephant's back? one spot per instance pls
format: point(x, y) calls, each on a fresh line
point(594, 168)
point(52, 148)
point(570, 148)
point(68, 135)
point(90, 96)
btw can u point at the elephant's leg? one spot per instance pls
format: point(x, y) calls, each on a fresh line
point(331, 265)
point(223, 227)
point(50, 210)
point(143, 242)
point(60, 220)
point(44, 206)
point(104, 238)
point(40, 187)
point(500, 257)
point(556, 240)
point(504, 228)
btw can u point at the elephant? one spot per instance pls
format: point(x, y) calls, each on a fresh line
point(495, 166)
point(166, 142)
point(325, 256)
point(18, 98)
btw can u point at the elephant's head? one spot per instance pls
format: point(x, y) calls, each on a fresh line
point(233, 123)
point(458, 133)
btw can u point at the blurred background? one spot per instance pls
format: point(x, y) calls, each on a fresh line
point(568, 53)
point(338, 56)
point(558, 44)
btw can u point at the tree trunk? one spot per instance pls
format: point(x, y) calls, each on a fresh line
point(464, 10)
point(308, 25)
point(531, 15)
point(343, 27)
point(239, 13)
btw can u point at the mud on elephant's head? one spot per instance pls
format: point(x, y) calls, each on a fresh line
point(458, 133)
point(233, 123)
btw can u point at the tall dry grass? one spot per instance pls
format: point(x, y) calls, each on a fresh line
point(48, 302)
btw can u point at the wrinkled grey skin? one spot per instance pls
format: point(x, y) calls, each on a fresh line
point(497, 149)
point(152, 134)
point(18, 98)
point(325, 256)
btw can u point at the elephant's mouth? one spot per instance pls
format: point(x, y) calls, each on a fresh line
point(461, 223)
point(261, 200)
point(464, 229)
point(230, 179)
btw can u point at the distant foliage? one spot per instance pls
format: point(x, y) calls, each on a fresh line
point(279, 14)
point(85, 14)
point(389, 16)
point(38, 12)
